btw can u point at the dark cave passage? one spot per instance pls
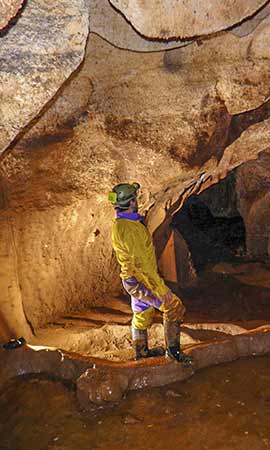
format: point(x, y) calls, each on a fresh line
point(212, 226)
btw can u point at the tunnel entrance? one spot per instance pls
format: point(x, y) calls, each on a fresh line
point(211, 225)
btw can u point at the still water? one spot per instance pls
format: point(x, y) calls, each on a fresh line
point(222, 408)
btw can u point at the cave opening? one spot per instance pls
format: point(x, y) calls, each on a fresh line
point(212, 226)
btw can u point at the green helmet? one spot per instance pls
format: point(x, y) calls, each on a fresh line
point(122, 194)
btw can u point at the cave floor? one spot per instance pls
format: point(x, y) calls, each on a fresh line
point(212, 410)
point(227, 299)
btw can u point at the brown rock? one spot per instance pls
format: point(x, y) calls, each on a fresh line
point(111, 25)
point(101, 386)
point(155, 18)
point(208, 355)
point(131, 420)
point(8, 10)
point(101, 382)
point(253, 198)
point(37, 55)
point(101, 316)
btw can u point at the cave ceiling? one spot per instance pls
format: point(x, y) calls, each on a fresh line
point(180, 18)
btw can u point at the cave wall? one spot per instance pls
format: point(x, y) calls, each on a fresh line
point(159, 118)
point(252, 184)
point(221, 199)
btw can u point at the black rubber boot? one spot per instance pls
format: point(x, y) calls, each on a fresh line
point(14, 343)
point(172, 339)
point(140, 345)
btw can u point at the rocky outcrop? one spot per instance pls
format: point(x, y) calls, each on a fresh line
point(163, 19)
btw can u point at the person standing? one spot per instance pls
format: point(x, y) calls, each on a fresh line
point(135, 253)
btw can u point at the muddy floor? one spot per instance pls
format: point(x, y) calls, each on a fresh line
point(222, 408)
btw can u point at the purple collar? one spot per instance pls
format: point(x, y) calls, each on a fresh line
point(130, 216)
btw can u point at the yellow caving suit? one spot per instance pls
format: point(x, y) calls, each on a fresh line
point(135, 253)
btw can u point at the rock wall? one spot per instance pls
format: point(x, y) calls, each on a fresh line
point(8, 11)
point(160, 118)
point(43, 48)
point(253, 182)
point(165, 19)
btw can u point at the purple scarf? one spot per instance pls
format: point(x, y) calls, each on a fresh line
point(130, 216)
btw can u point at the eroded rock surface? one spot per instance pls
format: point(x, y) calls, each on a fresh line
point(164, 19)
point(101, 386)
point(253, 183)
point(38, 54)
point(100, 382)
point(111, 25)
point(8, 10)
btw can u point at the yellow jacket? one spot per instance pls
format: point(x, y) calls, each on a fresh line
point(135, 253)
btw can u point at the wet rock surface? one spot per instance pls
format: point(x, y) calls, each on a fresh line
point(214, 407)
point(102, 382)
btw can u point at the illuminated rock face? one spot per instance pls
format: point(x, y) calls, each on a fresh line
point(160, 118)
point(169, 18)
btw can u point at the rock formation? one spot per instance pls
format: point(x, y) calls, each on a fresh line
point(165, 19)
point(101, 382)
point(43, 48)
point(161, 115)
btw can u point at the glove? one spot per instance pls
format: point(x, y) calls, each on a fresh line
point(140, 291)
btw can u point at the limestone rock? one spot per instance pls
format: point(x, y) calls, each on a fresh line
point(173, 18)
point(249, 25)
point(37, 55)
point(253, 182)
point(8, 10)
point(111, 25)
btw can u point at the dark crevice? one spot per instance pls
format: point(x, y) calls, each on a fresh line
point(216, 234)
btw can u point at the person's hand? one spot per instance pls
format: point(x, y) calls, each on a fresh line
point(167, 297)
